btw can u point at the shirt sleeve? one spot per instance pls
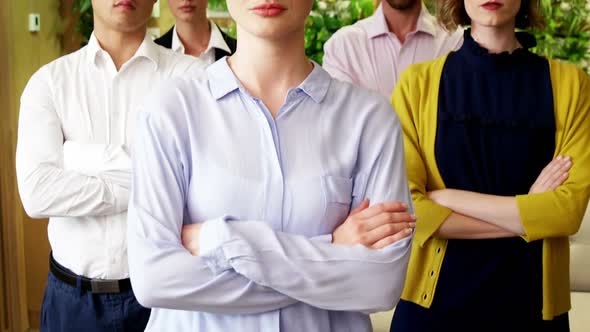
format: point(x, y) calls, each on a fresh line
point(559, 212)
point(46, 188)
point(163, 273)
point(314, 271)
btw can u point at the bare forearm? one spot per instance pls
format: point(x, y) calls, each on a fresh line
point(501, 211)
point(458, 226)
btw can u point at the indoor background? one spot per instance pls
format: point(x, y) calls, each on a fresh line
point(63, 26)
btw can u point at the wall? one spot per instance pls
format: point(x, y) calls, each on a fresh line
point(24, 247)
point(24, 241)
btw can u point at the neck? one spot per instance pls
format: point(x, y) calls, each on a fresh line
point(195, 35)
point(401, 22)
point(495, 39)
point(269, 68)
point(121, 46)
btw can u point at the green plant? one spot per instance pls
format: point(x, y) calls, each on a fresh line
point(567, 32)
point(217, 5)
point(327, 16)
point(85, 22)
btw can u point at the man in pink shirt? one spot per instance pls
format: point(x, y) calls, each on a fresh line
point(373, 52)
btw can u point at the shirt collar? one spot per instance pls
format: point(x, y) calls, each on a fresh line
point(376, 25)
point(426, 22)
point(316, 84)
point(222, 81)
point(147, 49)
point(215, 41)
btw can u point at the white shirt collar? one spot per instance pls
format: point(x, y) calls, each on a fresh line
point(215, 41)
point(147, 49)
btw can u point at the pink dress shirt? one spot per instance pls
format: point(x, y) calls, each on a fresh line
point(369, 55)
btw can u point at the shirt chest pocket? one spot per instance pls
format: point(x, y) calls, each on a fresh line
point(338, 197)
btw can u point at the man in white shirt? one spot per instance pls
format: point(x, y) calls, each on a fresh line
point(373, 52)
point(194, 34)
point(73, 165)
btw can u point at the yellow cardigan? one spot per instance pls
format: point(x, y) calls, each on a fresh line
point(551, 216)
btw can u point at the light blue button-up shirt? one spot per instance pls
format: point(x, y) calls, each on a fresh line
point(270, 192)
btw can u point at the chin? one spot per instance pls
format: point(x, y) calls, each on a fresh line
point(128, 26)
point(494, 21)
point(271, 30)
point(184, 16)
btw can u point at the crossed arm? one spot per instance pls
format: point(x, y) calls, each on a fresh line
point(65, 179)
point(555, 211)
point(477, 215)
point(229, 270)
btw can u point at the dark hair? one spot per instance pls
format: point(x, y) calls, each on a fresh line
point(451, 14)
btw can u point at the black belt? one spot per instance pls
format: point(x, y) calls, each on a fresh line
point(90, 285)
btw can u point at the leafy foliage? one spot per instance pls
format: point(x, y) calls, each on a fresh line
point(567, 32)
point(85, 23)
point(217, 5)
point(327, 16)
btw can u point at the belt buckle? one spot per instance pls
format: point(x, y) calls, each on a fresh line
point(104, 286)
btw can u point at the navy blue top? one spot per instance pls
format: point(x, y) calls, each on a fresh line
point(495, 133)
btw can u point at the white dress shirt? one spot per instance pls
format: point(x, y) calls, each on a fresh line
point(215, 41)
point(72, 158)
point(270, 192)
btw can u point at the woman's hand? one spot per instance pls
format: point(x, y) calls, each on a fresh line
point(190, 238)
point(377, 226)
point(552, 176)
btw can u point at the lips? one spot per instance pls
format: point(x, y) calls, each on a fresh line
point(187, 8)
point(269, 9)
point(492, 5)
point(126, 4)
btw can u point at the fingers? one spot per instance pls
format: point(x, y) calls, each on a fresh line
point(364, 204)
point(541, 179)
point(553, 175)
point(554, 169)
point(392, 239)
point(381, 208)
point(379, 220)
point(385, 231)
point(557, 177)
point(558, 180)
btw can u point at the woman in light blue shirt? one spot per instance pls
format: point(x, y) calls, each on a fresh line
point(244, 175)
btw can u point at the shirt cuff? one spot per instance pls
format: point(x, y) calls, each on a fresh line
point(120, 197)
point(214, 233)
point(324, 238)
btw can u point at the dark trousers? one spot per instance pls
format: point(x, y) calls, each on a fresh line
point(67, 308)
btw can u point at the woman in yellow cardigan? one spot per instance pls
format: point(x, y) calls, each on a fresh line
point(491, 246)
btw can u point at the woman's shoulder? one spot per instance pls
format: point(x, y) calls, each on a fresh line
point(569, 83)
point(171, 98)
point(419, 75)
